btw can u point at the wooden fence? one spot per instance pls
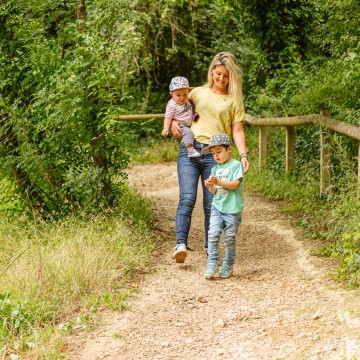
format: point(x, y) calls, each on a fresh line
point(323, 120)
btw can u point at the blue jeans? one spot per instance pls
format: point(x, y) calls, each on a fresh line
point(189, 171)
point(219, 222)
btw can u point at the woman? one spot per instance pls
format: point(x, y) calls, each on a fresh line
point(219, 104)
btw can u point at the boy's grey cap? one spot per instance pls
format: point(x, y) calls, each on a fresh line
point(218, 139)
point(179, 82)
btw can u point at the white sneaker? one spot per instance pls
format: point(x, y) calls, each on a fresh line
point(180, 253)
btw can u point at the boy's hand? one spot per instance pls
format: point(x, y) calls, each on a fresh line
point(209, 183)
point(212, 180)
point(165, 132)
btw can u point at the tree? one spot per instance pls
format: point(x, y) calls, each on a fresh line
point(60, 82)
point(280, 29)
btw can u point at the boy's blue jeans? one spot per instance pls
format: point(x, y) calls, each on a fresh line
point(219, 222)
point(189, 171)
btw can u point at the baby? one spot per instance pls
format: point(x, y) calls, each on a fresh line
point(180, 108)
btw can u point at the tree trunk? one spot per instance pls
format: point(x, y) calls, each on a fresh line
point(81, 16)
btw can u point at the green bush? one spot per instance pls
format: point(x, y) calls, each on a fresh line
point(328, 218)
point(16, 322)
point(348, 250)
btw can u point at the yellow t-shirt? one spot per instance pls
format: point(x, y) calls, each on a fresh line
point(217, 114)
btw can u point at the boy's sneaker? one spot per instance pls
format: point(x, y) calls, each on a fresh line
point(211, 270)
point(192, 153)
point(180, 253)
point(226, 271)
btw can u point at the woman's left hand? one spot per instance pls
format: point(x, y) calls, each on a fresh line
point(239, 139)
point(246, 164)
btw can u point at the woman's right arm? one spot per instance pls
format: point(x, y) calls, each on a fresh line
point(175, 129)
point(172, 123)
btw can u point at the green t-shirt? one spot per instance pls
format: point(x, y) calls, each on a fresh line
point(229, 201)
point(217, 113)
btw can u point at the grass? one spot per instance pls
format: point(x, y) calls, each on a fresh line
point(152, 150)
point(57, 275)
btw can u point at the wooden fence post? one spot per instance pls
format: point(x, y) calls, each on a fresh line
point(325, 157)
point(290, 148)
point(262, 146)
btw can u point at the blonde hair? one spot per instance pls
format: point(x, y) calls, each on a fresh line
point(235, 76)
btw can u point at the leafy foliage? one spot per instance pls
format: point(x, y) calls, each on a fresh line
point(58, 96)
point(16, 321)
point(327, 77)
point(279, 30)
point(336, 29)
point(348, 250)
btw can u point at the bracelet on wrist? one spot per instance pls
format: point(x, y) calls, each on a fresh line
point(243, 155)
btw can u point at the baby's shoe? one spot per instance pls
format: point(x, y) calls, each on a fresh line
point(192, 153)
point(226, 271)
point(211, 270)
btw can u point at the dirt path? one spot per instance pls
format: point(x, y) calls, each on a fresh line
point(280, 303)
